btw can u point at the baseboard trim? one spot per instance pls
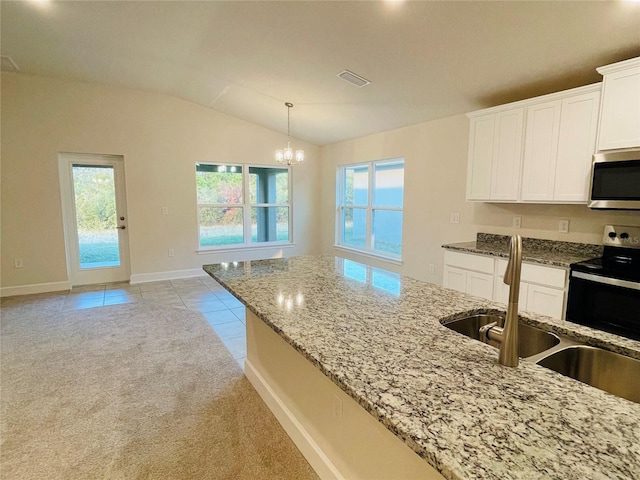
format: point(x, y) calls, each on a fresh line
point(305, 443)
point(35, 288)
point(170, 275)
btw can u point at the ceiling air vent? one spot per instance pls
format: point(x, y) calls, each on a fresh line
point(8, 65)
point(353, 78)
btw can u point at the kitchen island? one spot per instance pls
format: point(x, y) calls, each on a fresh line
point(378, 338)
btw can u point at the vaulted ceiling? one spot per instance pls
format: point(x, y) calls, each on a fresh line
point(425, 59)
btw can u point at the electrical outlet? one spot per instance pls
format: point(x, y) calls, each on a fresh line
point(172, 253)
point(17, 263)
point(165, 210)
point(336, 405)
point(454, 218)
point(432, 268)
point(517, 222)
point(563, 226)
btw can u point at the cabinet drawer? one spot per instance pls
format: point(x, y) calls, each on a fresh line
point(468, 261)
point(549, 276)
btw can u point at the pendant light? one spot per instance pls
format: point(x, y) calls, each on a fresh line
point(286, 155)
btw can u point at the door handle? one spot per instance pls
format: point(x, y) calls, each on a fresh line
point(122, 227)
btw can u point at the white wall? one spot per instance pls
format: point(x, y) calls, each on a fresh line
point(435, 156)
point(161, 139)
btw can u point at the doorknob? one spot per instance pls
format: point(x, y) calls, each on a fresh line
point(122, 227)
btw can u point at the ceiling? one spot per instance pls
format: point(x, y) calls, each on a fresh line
point(425, 59)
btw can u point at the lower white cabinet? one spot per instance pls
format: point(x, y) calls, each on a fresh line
point(542, 288)
point(473, 283)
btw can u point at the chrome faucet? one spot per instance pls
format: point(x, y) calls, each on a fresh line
point(507, 336)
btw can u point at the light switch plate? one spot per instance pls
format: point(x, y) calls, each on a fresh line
point(454, 218)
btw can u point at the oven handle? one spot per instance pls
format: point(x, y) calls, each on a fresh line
point(609, 281)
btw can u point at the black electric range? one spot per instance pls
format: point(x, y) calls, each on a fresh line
point(604, 292)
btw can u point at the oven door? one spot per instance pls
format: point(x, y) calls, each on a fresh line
point(604, 303)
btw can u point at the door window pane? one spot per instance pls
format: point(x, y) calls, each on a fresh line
point(387, 231)
point(389, 182)
point(354, 231)
point(96, 218)
point(356, 185)
point(220, 226)
point(270, 224)
point(269, 185)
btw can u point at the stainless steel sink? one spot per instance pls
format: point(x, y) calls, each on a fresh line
point(608, 371)
point(531, 340)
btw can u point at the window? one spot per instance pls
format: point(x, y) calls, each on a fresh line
point(370, 201)
point(229, 216)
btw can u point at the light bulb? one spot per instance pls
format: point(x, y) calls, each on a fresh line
point(279, 156)
point(299, 155)
point(288, 154)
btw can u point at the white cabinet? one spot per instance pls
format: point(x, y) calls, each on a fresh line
point(544, 300)
point(472, 274)
point(495, 155)
point(466, 281)
point(542, 288)
point(536, 151)
point(559, 143)
point(620, 111)
point(576, 145)
point(541, 151)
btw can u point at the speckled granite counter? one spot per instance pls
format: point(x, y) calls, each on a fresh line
point(534, 250)
point(378, 337)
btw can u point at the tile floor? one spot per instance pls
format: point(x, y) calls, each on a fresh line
point(223, 311)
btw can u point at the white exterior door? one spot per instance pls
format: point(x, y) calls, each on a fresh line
point(95, 218)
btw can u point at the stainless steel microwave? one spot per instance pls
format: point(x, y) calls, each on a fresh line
point(615, 180)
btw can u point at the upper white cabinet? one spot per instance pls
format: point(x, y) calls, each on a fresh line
point(559, 144)
point(537, 150)
point(541, 151)
point(576, 144)
point(495, 150)
point(620, 111)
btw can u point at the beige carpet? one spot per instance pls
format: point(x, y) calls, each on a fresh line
point(130, 392)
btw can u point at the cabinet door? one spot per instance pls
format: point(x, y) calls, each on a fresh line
point(576, 145)
point(481, 136)
point(541, 151)
point(507, 155)
point(454, 278)
point(620, 115)
point(501, 292)
point(546, 301)
point(480, 285)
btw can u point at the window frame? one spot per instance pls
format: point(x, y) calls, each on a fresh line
point(246, 207)
point(341, 204)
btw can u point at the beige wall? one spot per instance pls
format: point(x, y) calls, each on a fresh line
point(161, 139)
point(435, 156)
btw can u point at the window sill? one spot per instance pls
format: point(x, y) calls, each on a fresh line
point(243, 248)
point(375, 256)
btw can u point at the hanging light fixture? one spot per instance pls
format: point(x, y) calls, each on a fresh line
point(286, 155)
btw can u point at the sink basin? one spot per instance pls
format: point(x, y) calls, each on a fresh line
point(531, 340)
point(608, 371)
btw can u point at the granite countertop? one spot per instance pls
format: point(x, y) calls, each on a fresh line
point(534, 250)
point(378, 337)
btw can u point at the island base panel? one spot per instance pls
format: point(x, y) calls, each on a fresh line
point(337, 436)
